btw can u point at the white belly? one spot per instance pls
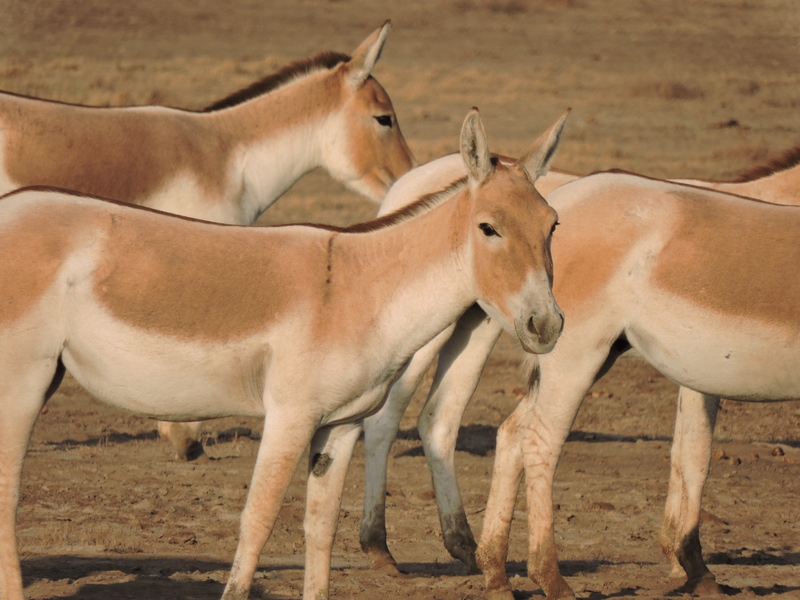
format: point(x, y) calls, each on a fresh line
point(733, 357)
point(162, 377)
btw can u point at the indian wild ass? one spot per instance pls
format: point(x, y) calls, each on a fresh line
point(705, 286)
point(306, 326)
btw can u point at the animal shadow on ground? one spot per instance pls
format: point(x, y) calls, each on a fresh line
point(576, 567)
point(109, 438)
point(748, 592)
point(479, 440)
point(454, 568)
point(568, 567)
point(209, 439)
point(593, 437)
point(476, 439)
point(157, 578)
point(167, 578)
point(745, 556)
point(153, 589)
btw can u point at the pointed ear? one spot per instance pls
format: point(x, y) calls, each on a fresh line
point(366, 55)
point(537, 160)
point(475, 149)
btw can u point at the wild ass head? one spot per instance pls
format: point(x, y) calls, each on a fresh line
point(510, 238)
point(363, 146)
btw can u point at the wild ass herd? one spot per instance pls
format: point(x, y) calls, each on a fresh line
point(326, 331)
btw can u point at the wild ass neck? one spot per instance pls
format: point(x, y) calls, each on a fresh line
point(409, 280)
point(272, 154)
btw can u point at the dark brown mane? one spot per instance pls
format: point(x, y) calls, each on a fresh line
point(324, 60)
point(787, 160)
point(419, 206)
point(423, 204)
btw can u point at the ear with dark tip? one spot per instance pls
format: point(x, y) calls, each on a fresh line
point(537, 160)
point(366, 55)
point(475, 149)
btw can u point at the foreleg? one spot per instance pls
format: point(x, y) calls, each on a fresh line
point(492, 551)
point(380, 431)
point(461, 362)
point(286, 435)
point(543, 422)
point(543, 436)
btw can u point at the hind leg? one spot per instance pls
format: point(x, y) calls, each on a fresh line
point(23, 390)
point(691, 456)
point(672, 506)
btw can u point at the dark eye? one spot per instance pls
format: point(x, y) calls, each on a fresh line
point(385, 120)
point(488, 230)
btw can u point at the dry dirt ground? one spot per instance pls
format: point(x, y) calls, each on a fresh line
point(701, 89)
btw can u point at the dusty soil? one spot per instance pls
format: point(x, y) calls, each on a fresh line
point(668, 89)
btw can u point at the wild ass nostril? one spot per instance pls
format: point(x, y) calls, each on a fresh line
point(532, 327)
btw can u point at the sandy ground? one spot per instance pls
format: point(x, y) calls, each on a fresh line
point(668, 89)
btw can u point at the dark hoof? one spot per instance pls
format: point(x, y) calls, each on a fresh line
point(463, 548)
point(386, 564)
point(472, 565)
point(707, 586)
point(194, 451)
point(702, 586)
